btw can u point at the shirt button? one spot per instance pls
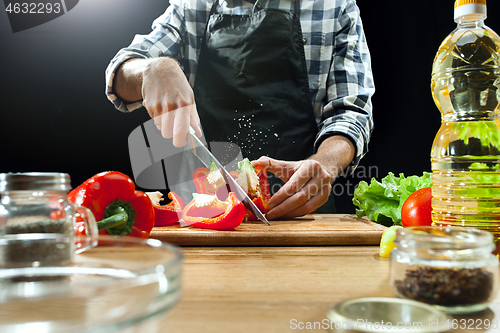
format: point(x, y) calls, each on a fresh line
point(259, 7)
point(304, 41)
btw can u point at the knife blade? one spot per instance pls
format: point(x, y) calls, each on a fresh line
point(206, 157)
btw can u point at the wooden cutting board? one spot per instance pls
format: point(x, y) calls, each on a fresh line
point(321, 229)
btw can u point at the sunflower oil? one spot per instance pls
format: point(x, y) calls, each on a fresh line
point(465, 154)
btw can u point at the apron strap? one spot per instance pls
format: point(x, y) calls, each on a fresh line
point(297, 9)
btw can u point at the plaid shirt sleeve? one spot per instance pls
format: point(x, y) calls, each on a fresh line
point(166, 39)
point(350, 86)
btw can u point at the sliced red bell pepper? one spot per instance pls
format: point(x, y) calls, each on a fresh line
point(117, 206)
point(208, 212)
point(223, 191)
point(256, 184)
point(201, 181)
point(208, 180)
point(258, 190)
point(261, 197)
point(166, 214)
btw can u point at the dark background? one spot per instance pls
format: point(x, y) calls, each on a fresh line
point(55, 116)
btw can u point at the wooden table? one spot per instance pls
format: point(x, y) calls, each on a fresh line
point(279, 289)
point(267, 288)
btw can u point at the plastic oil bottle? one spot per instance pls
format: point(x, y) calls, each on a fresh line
point(466, 151)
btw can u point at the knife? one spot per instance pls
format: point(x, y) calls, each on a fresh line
point(206, 157)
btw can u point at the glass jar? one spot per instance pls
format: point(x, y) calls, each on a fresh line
point(451, 268)
point(38, 225)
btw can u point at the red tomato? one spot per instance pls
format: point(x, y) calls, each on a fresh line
point(417, 208)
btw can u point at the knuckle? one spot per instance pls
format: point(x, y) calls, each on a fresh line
point(325, 178)
point(179, 130)
point(153, 106)
point(313, 164)
point(171, 106)
point(293, 184)
point(309, 207)
point(302, 196)
point(146, 104)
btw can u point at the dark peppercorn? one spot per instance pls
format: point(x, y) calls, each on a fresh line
point(47, 251)
point(446, 286)
point(47, 226)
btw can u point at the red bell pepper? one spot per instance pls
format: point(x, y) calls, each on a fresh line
point(223, 191)
point(208, 212)
point(210, 180)
point(201, 182)
point(254, 181)
point(166, 214)
point(117, 206)
point(260, 197)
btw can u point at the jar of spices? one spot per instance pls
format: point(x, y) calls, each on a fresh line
point(38, 225)
point(451, 268)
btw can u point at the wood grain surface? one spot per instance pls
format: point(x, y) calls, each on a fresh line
point(280, 289)
point(321, 229)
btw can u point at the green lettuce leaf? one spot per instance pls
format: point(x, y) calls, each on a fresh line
point(382, 201)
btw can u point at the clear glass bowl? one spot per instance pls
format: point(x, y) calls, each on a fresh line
point(115, 286)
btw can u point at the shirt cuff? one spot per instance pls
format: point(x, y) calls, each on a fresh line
point(113, 66)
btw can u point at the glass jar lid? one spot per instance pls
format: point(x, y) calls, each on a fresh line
point(386, 314)
point(41, 181)
point(445, 243)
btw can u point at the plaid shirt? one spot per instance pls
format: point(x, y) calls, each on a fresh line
point(337, 58)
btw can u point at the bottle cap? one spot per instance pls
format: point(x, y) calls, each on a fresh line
point(467, 7)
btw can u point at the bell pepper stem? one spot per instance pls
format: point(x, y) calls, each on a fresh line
point(119, 217)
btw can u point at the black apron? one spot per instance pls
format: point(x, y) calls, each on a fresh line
point(252, 87)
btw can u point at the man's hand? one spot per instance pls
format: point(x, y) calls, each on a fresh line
point(166, 95)
point(307, 187)
point(308, 183)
